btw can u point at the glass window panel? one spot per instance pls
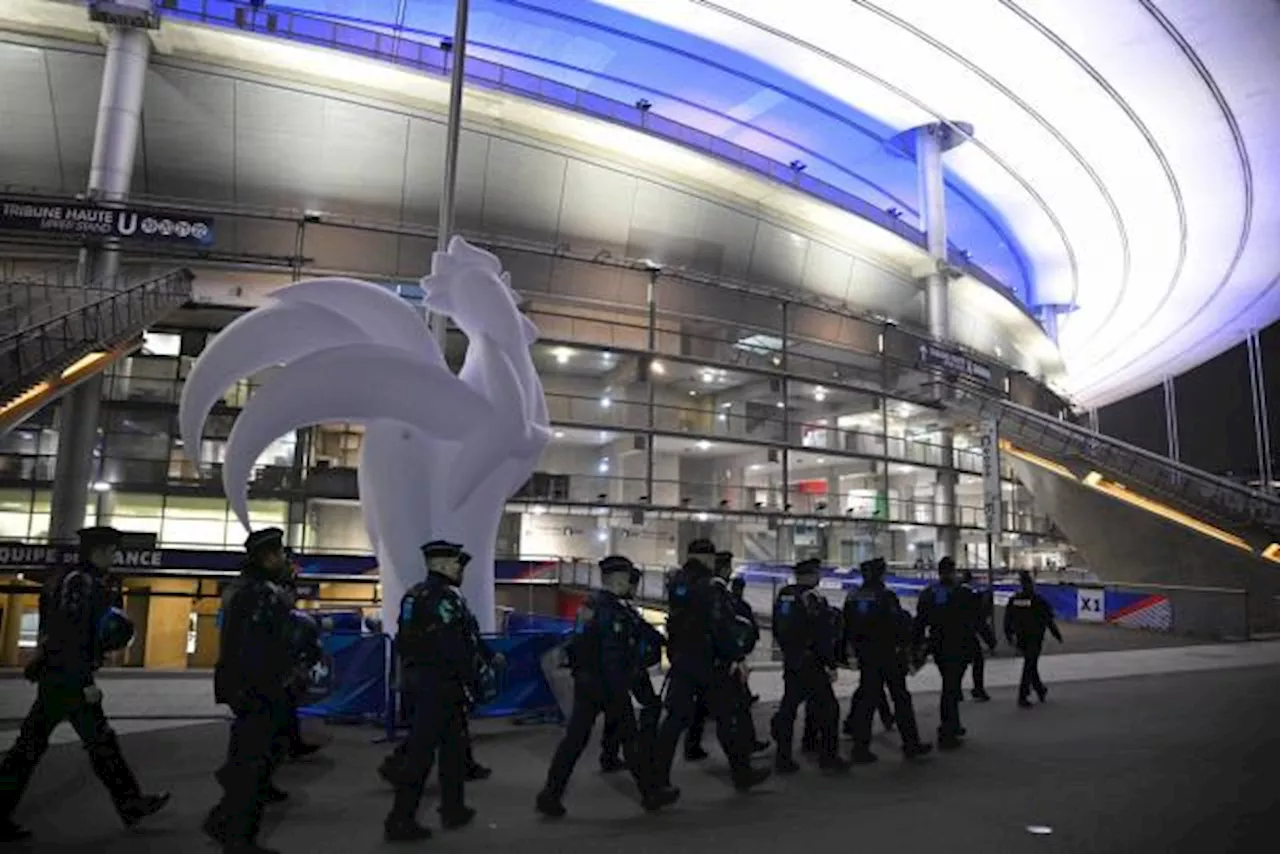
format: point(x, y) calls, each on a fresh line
point(161, 343)
point(14, 526)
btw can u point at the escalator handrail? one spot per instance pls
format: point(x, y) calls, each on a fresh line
point(182, 274)
point(1091, 436)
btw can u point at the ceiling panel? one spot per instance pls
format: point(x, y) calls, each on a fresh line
point(597, 208)
point(522, 192)
point(188, 126)
point(73, 80)
point(29, 154)
point(777, 256)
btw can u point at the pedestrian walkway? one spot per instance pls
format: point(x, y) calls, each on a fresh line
point(155, 702)
point(1172, 763)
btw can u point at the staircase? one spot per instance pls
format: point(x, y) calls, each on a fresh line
point(54, 334)
point(1104, 462)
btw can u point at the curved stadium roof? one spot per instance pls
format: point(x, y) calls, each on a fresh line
point(1123, 156)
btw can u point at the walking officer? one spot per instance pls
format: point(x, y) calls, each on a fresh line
point(650, 656)
point(255, 666)
point(876, 629)
point(444, 671)
point(706, 643)
point(803, 630)
point(605, 654)
point(1026, 618)
point(78, 626)
point(948, 624)
point(292, 745)
point(986, 611)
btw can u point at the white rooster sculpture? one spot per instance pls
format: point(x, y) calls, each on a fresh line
point(442, 453)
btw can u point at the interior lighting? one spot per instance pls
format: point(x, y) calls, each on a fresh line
point(101, 486)
point(27, 396)
point(1027, 456)
point(658, 368)
point(606, 402)
point(1272, 552)
point(559, 434)
point(703, 445)
point(819, 394)
point(781, 404)
point(563, 355)
point(1121, 492)
point(82, 364)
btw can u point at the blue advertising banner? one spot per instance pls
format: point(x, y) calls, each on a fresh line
point(357, 677)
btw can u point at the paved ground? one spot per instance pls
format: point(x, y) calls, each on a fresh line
point(1185, 761)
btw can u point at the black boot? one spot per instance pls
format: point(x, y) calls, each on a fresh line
point(663, 796)
point(404, 830)
point(136, 809)
point(454, 820)
point(549, 804)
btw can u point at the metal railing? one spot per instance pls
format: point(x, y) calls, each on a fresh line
point(100, 317)
point(397, 48)
point(1225, 500)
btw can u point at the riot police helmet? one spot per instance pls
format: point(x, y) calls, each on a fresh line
point(947, 568)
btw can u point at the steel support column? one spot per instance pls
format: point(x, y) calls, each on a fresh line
point(115, 142)
point(651, 301)
point(439, 323)
point(930, 143)
point(1171, 419)
point(1261, 417)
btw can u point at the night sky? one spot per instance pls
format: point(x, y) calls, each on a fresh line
point(1215, 412)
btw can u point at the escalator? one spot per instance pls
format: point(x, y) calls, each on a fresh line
point(1136, 516)
point(54, 334)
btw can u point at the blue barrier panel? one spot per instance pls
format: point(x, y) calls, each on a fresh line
point(525, 688)
point(518, 623)
point(359, 677)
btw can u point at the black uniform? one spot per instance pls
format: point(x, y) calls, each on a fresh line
point(443, 666)
point(948, 625)
point(73, 605)
point(254, 669)
point(803, 628)
point(289, 743)
point(877, 629)
point(1026, 618)
point(704, 640)
point(606, 654)
point(651, 644)
point(986, 609)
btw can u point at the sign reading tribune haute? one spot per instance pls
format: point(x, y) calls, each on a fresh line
point(123, 222)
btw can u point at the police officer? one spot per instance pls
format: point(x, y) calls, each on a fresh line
point(391, 766)
point(292, 744)
point(78, 626)
point(1026, 618)
point(693, 749)
point(876, 629)
point(651, 645)
point(255, 666)
point(803, 629)
point(948, 625)
point(444, 672)
point(706, 643)
point(738, 589)
point(986, 607)
point(605, 654)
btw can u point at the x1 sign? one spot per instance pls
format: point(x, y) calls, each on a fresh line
point(1089, 605)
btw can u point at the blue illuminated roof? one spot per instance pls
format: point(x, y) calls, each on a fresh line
point(708, 86)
